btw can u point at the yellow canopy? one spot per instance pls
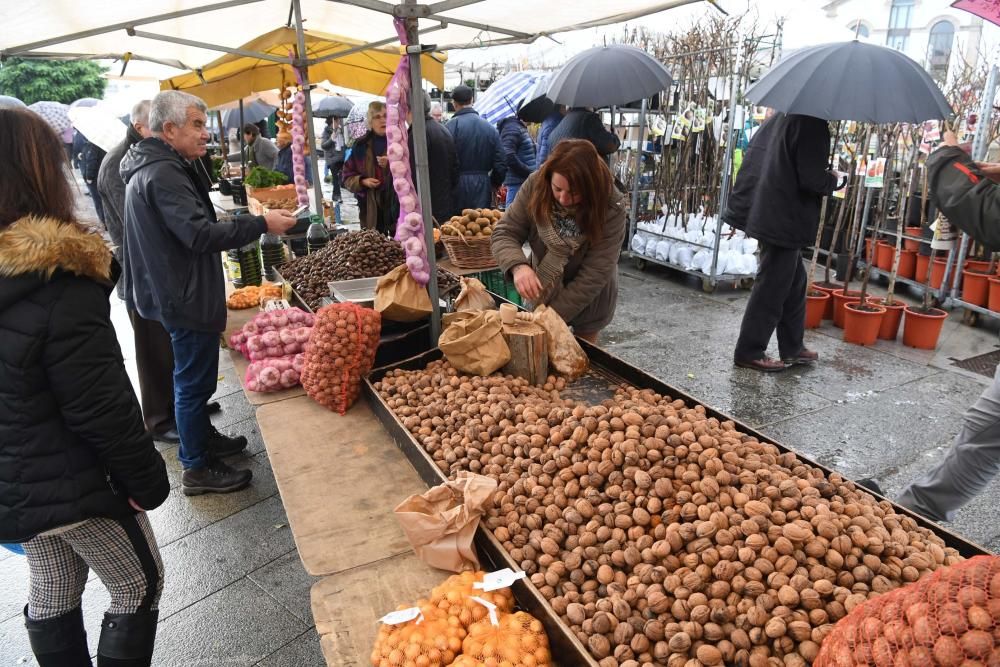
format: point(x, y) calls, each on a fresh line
point(235, 76)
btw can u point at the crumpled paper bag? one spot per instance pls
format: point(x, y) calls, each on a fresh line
point(398, 297)
point(441, 522)
point(565, 354)
point(474, 343)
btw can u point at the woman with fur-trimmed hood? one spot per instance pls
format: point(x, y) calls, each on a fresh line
point(77, 469)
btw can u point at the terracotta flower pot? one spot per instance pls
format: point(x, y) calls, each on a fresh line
point(868, 249)
point(861, 324)
point(921, 330)
point(937, 272)
point(912, 245)
point(816, 303)
point(975, 287)
point(839, 299)
point(889, 328)
point(829, 288)
point(977, 265)
point(907, 264)
point(993, 300)
point(884, 254)
point(921, 272)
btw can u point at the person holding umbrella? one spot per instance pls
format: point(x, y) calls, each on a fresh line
point(332, 143)
point(582, 123)
point(783, 217)
point(573, 218)
point(519, 153)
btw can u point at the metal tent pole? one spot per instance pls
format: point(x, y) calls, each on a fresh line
point(243, 147)
point(310, 132)
point(419, 135)
point(633, 224)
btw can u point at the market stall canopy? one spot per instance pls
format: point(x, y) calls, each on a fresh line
point(184, 32)
point(235, 75)
point(851, 81)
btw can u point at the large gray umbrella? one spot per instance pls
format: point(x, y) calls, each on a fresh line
point(253, 111)
point(333, 106)
point(851, 81)
point(608, 75)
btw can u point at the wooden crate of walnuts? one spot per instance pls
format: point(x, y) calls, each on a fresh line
point(661, 535)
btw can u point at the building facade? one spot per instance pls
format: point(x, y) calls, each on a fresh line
point(930, 31)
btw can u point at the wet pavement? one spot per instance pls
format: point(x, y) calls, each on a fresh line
point(236, 593)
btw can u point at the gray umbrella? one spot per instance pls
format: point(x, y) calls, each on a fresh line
point(851, 81)
point(608, 75)
point(333, 106)
point(253, 112)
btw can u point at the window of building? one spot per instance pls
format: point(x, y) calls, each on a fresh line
point(860, 29)
point(899, 24)
point(939, 49)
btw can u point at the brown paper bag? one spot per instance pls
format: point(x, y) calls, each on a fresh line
point(474, 343)
point(473, 297)
point(441, 522)
point(398, 297)
point(565, 354)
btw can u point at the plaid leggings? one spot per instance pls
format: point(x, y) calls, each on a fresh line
point(123, 553)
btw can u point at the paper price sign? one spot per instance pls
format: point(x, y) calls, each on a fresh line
point(504, 578)
point(402, 616)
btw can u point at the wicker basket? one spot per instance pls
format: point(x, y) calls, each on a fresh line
point(469, 253)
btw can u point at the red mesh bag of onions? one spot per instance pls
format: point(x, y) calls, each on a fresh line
point(340, 353)
point(950, 618)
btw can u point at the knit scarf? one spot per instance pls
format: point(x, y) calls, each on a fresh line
point(559, 247)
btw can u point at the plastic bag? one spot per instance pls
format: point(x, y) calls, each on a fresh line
point(473, 297)
point(398, 296)
point(565, 354)
point(340, 353)
point(639, 243)
point(950, 617)
point(474, 343)
point(274, 374)
point(663, 250)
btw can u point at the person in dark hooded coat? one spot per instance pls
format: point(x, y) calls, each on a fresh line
point(793, 180)
point(481, 164)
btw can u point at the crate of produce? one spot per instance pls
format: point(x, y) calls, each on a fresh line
point(494, 281)
point(576, 506)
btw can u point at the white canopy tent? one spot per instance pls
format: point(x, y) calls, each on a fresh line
point(190, 33)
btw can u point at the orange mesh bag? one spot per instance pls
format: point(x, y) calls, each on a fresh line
point(517, 641)
point(340, 352)
point(432, 642)
point(950, 618)
point(453, 598)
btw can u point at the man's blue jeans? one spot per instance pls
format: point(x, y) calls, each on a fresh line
point(196, 374)
point(511, 194)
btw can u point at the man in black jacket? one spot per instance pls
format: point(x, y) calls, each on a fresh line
point(174, 274)
point(442, 163)
point(794, 178)
point(91, 156)
point(740, 198)
point(581, 123)
point(968, 195)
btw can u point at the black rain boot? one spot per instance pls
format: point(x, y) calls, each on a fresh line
point(59, 641)
point(127, 639)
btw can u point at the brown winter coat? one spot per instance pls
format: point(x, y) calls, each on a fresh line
point(589, 293)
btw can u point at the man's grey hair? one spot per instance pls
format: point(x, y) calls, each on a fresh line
point(172, 105)
point(140, 113)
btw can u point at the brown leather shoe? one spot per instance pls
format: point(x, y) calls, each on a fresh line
point(764, 364)
point(804, 357)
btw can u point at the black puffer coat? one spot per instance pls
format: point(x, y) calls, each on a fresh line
point(72, 441)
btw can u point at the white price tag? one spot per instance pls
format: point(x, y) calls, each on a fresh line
point(504, 578)
point(276, 304)
point(402, 616)
point(492, 608)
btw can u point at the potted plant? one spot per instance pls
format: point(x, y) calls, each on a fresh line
point(922, 325)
